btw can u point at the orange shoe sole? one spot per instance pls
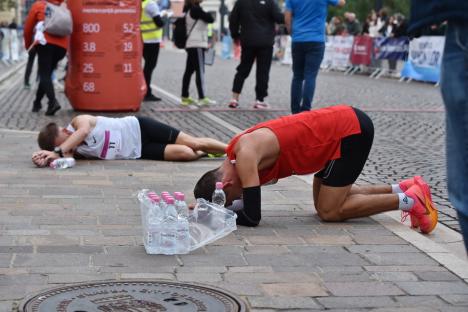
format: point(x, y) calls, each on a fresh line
point(431, 210)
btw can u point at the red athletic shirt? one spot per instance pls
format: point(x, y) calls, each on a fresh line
point(307, 140)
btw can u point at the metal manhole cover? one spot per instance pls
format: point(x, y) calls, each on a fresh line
point(133, 296)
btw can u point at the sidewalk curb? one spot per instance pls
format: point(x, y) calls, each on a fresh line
point(12, 71)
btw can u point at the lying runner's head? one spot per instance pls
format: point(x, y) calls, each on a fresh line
point(207, 183)
point(51, 136)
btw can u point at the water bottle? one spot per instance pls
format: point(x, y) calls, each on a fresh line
point(153, 236)
point(183, 233)
point(219, 198)
point(181, 205)
point(169, 228)
point(63, 163)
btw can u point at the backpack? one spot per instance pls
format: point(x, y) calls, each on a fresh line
point(179, 34)
point(58, 20)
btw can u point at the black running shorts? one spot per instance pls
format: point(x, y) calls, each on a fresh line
point(155, 136)
point(354, 152)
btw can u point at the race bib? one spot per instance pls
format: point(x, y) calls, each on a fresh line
point(112, 144)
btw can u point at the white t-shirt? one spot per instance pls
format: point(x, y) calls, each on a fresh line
point(152, 10)
point(112, 138)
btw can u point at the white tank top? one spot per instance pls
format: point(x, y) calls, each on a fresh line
point(112, 138)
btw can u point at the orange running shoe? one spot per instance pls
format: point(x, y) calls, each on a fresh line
point(423, 209)
point(404, 186)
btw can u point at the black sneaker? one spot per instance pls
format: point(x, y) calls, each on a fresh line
point(52, 109)
point(37, 106)
point(151, 98)
point(26, 86)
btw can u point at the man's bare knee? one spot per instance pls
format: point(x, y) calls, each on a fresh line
point(329, 215)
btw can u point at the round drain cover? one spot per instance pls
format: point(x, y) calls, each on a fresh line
point(133, 296)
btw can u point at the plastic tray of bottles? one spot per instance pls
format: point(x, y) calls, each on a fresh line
point(206, 223)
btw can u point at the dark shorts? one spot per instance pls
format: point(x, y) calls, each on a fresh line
point(155, 136)
point(354, 152)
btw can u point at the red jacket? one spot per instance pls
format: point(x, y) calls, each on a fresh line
point(37, 14)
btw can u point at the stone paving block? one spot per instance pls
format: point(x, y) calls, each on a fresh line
point(226, 250)
point(419, 301)
point(48, 240)
point(240, 289)
point(330, 250)
point(434, 288)
point(456, 299)
point(216, 260)
point(78, 278)
point(199, 277)
point(90, 270)
point(356, 302)
point(283, 303)
point(5, 260)
point(323, 239)
point(6, 306)
point(437, 276)
point(38, 260)
point(394, 276)
point(134, 260)
point(378, 240)
point(389, 258)
point(271, 277)
point(294, 290)
point(203, 269)
point(251, 269)
point(346, 277)
point(405, 268)
point(382, 248)
point(274, 240)
point(16, 249)
point(22, 279)
point(70, 249)
point(18, 293)
point(266, 250)
point(318, 259)
point(151, 276)
point(353, 289)
point(110, 241)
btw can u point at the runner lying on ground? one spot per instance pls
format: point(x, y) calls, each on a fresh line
point(120, 138)
point(334, 142)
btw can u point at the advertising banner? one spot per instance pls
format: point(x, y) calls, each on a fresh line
point(104, 69)
point(425, 59)
point(361, 53)
point(391, 48)
point(342, 47)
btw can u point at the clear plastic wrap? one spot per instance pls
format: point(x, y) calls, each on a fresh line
point(207, 223)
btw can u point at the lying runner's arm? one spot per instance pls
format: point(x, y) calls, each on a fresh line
point(82, 124)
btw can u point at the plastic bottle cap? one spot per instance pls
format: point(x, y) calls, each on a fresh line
point(170, 200)
point(219, 185)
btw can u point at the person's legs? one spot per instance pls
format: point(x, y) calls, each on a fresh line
point(298, 65)
point(243, 70)
point(264, 57)
point(189, 69)
point(313, 59)
point(27, 73)
point(200, 72)
point(206, 145)
point(454, 86)
point(463, 220)
point(45, 61)
point(150, 55)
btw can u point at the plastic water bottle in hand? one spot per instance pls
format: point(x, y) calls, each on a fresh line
point(63, 163)
point(219, 198)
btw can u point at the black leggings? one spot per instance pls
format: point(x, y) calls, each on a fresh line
point(195, 63)
point(150, 54)
point(48, 57)
point(155, 136)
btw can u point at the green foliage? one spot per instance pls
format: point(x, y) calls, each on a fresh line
point(363, 7)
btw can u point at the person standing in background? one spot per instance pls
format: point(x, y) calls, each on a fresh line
point(252, 23)
point(49, 55)
point(305, 21)
point(151, 32)
point(454, 87)
point(197, 42)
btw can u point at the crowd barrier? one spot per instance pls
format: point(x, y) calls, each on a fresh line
point(420, 58)
point(11, 45)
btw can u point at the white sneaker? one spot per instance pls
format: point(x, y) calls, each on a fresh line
point(260, 105)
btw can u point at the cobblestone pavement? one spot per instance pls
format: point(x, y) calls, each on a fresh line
point(83, 224)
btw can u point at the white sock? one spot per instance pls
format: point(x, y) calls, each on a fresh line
point(396, 189)
point(405, 202)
